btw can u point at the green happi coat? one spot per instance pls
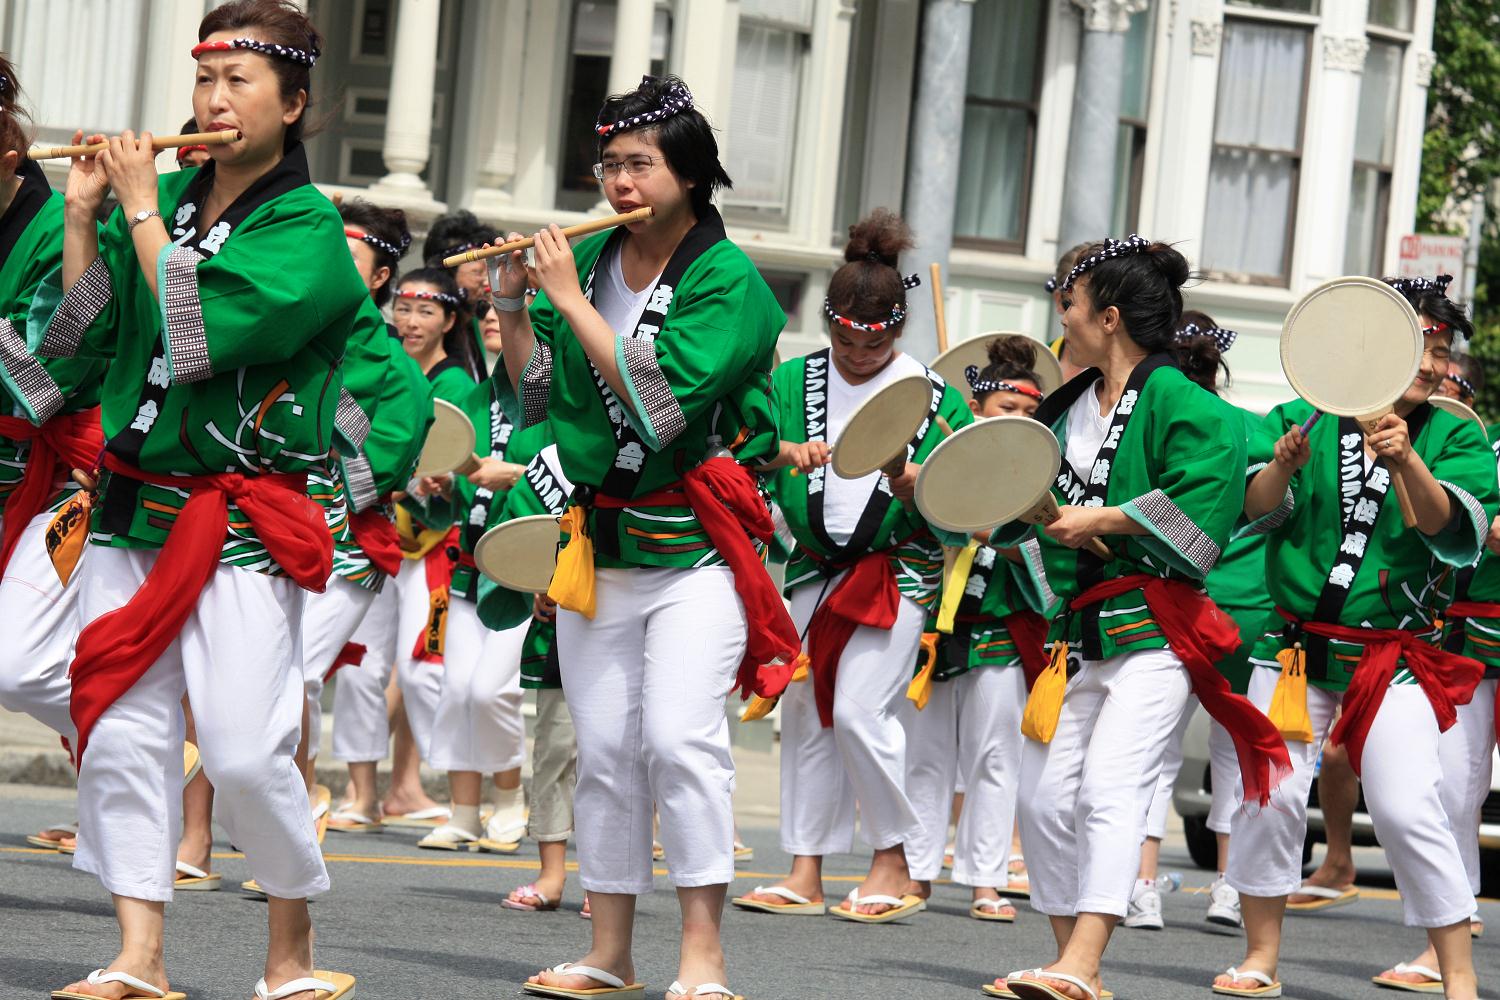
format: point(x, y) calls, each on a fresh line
point(916, 553)
point(424, 520)
point(382, 420)
point(542, 490)
point(699, 382)
point(1476, 636)
point(234, 368)
point(31, 242)
point(1237, 584)
point(1406, 577)
point(475, 509)
point(1175, 473)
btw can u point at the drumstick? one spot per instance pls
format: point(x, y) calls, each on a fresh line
point(937, 307)
point(943, 426)
point(582, 229)
point(1046, 512)
point(1398, 481)
point(1307, 424)
point(158, 143)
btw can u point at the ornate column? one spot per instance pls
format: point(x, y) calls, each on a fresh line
point(937, 130)
point(630, 57)
point(1328, 145)
point(1089, 180)
point(408, 123)
point(507, 42)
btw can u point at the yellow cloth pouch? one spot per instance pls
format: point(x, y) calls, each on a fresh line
point(1289, 703)
point(573, 578)
point(800, 669)
point(1044, 705)
point(920, 688)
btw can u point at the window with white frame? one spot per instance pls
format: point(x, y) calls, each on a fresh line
point(1135, 99)
point(1394, 14)
point(1293, 6)
point(1257, 150)
point(1374, 157)
point(593, 44)
point(769, 67)
point(1000, 113)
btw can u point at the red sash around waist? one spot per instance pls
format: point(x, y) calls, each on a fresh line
point(66, 442)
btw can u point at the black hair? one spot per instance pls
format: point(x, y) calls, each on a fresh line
point(685, 138)
point(868, 288)
point(1429, 301)
point(1145, 286)
point(1472, 371)
point(14, 134)
point(283, 23)
point(1012, 358)
point(385, 224)
point(1199, 356)
point(452, 230)
point(1065, 264)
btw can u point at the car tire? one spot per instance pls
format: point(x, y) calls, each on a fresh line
point(1202, 844)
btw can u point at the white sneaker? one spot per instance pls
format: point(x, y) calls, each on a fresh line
point(1145, 907)
point(1224, 905)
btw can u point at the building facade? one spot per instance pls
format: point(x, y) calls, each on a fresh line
point(1277, 142)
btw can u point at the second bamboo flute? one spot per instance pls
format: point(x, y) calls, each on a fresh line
point(582, 229)
point(158, 143)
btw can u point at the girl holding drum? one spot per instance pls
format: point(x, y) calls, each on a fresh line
point(864, 572)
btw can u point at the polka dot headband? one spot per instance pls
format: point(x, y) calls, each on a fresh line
point(675, 99)
point(451, 301)
point(1421, 286)
point(4, 84)
point(1223, 338)
point(898, 313)
point(1464, 385)
point(378, 243)
point(307, 57)
point(1111, 250)
point(979, 385)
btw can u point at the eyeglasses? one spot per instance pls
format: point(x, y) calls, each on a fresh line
point(635, 166)
point(482, 309)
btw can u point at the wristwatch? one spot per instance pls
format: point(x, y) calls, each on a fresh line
point(508, 305)
point(142, 216)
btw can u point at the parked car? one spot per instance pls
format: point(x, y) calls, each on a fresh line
point(1192, 793)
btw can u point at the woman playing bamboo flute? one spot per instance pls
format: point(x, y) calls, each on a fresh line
point(224, 298)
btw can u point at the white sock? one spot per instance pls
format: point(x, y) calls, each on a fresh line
point(466, 818)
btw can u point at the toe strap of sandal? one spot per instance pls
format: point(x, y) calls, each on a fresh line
point(304, 985)
point(1251, 974)
point(1411, 968)
point(588, 971)
point(701, 990)
point(101, 978)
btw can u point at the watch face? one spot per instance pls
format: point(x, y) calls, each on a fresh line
point(142, 215)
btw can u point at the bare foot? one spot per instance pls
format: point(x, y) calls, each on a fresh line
point(1329, 876)
point(919, 889)
point(400, 804)
point(1064, 987)
point(147, 968)
point(880, 885)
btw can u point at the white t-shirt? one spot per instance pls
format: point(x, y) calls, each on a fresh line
point(845, 499)
point(1087, 430)
point(617, 302)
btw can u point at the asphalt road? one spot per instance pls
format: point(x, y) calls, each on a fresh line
point(413, 925)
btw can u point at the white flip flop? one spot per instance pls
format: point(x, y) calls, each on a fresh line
point(191, 879)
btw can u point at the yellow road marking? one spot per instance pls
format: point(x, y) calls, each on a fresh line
point(484, 862)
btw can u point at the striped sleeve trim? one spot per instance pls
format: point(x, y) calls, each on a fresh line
point(1272, 519)
point(1031, 552)
point(536, 383)
point(1167, 522)
point(359, 483)
point(182, 315)
point(27, 380)
point(79, 307)
point(350, 419)
point(1479, 523)
point(656, 409)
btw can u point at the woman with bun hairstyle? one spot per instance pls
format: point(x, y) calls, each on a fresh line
point(224, 298)
point(1151, 467)
point(965, 721)
point(865, 569)
point(1356, 593)
point(649, 348)
point(49, 426)
point(1237, 584)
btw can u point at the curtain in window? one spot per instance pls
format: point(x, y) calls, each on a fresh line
point(1379, 97)
point(993, 159)
point(1247, 227)
point(1366, 213)
point(763, 117)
